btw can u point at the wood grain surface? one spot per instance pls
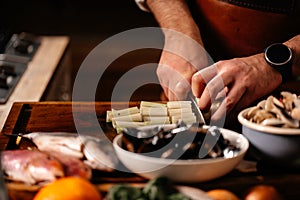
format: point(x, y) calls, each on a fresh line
point(26, 117)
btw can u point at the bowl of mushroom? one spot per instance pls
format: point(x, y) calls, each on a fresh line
point(273, 127)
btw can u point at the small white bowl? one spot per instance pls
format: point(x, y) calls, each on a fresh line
point(194, 170)
point(273, 143)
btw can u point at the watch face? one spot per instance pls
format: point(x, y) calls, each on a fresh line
point(278, 54)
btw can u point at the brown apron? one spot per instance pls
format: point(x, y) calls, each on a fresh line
point(235, 28)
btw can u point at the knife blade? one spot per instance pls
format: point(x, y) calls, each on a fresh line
point(196, 109)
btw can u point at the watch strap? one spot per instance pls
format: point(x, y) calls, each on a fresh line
point(285, 71)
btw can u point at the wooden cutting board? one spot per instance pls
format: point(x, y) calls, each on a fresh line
point(25, 117)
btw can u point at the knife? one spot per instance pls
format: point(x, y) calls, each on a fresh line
point(210, 139)
point(196, 109)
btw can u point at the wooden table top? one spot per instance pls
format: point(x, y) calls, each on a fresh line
point(27, 117)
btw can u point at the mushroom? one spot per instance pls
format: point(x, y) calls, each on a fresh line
point(261, 115)
point(272, 122)
point(296, 113)
point(262, 104)
point(288, 100)
point(275, 112)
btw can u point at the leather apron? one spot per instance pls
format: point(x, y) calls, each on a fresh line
point(237, 28)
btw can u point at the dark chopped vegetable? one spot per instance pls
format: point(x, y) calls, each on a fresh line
point(125, 192)
point(183, 142)
point(160, 188)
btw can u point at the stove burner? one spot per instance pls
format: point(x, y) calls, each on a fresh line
point(18, 51)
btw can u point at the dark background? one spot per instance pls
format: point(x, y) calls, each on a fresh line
point(73, 17)
point(87, 23)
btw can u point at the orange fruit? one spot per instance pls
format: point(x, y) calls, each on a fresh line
point(222, 194)
point(262, 192)
point(68, 188)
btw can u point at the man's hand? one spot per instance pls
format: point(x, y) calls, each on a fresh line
point(183, 52)
point(182, 56)
point(175, 75)
point(239, 81)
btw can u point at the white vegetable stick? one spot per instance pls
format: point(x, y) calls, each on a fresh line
point(126, 111)
point(108, 116)
point(179, 111)
point(178, 104)
point(128, 118)
point(154, 111)
point(119, 129)
point(149, 118)
point(137, 117)
point(159, 119)
point(157, 122)
point(148, 123)
point(183, 115)
point(152, 104)
point(123, 124)
point(187, 118)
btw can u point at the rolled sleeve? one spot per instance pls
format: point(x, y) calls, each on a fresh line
point(142, 4)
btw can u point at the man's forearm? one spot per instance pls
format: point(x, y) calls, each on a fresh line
point(294, 44)
point(175, 15)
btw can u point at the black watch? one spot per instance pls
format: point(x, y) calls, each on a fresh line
point(280, 57)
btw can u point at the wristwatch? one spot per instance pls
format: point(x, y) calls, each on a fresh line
point(280, 57)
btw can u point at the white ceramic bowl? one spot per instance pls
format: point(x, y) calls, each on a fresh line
point(194, 170)
point(273, 143)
